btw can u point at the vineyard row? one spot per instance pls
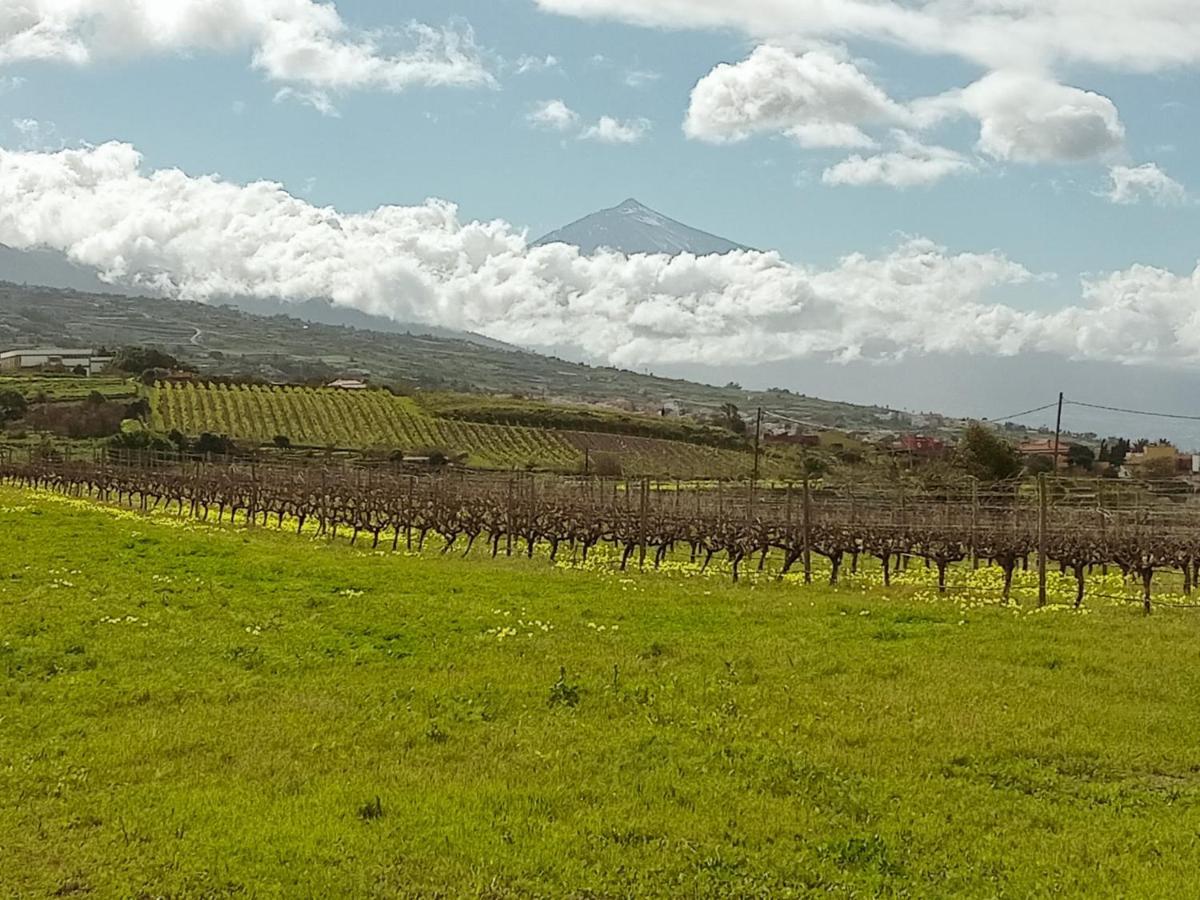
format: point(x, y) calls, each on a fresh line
point(324, 417)
point(522, 514)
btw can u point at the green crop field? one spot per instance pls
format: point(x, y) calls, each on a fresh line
point(192, 710)
point(323, 417)
point(62, 388)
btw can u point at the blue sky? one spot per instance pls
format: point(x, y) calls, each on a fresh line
point(473, 146)
point(958, 178)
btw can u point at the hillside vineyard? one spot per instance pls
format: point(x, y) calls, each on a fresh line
point(323, 418)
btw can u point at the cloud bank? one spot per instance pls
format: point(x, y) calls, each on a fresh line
point(1131, 35)
point(301, 43)
point(203, 238)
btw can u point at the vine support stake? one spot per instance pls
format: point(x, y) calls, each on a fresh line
point(1043, 509)
point(643, 522)
point(806, 512)
point(974, 523)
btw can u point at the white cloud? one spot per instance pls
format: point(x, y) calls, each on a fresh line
point(203, 238)
point(554, 115)
point(528, 64)
point(238, 107)
point(822, 100)
point(303, 43)
point(10, 83)
point(913, 165)
point(613, 131)
point(1026, 118)
point(1130, 185)
point(1142, 315)
point(318, 100)
point(37, 135)
point(816, 97)
point(636, 78)
point(1134, 35)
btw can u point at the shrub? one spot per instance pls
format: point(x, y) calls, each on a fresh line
point(12, 406)
point(606, 465)
point(140, 440)
point(216, 444)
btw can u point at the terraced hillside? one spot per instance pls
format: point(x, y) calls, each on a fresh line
point(378, 420)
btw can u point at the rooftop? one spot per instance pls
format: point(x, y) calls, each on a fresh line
point(46, 351)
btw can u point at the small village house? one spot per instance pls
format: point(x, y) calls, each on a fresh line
point(920, 446)
point(1160, 455)
point(793, 439)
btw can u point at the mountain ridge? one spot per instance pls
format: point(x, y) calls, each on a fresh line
point(43, 267)
point(631, 228)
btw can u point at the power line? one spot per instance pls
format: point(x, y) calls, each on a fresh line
point(1021, 415)
point(1134, 412)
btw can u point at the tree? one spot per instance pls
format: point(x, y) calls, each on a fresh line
point(731, 419)
point(1081, 457)
point(12, 406)
point(986, 456)
point(136, 360)
point(282, 441)
point(1114, 451)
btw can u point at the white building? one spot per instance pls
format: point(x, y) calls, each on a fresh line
point(54, 358)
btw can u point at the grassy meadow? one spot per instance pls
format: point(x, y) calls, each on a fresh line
point(189, 710)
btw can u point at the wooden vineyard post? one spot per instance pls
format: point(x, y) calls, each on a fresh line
point(806, 512)
point(974, 523)
point(1043, 503)
point(643, 522)
point(508, 520)
point(1100, 509)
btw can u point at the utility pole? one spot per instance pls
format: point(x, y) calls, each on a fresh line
point(757, 441)
point(1058, 431)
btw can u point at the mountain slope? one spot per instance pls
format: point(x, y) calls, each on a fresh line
point(634, 228)
point(51, 268)
point(221, 340)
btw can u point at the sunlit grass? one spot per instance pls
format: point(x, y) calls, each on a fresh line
point(192, 710)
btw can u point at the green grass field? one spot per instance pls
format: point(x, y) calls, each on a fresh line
point(196, 711)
